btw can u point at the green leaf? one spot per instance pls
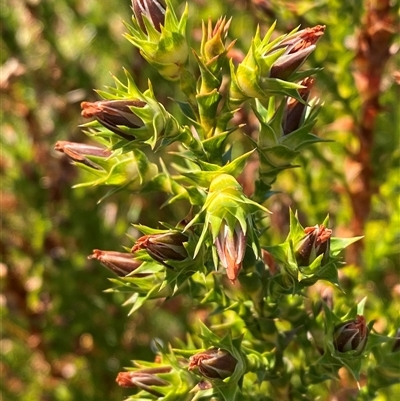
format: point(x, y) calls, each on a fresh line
point(338, 244)
point(204, 178)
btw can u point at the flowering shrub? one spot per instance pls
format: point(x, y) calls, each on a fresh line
point(264, 334)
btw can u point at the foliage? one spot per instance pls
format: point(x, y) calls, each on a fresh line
point(198, 148)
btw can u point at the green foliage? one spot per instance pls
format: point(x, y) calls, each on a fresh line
point(200, 130)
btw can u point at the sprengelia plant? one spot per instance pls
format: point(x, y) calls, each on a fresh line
point(264, 339)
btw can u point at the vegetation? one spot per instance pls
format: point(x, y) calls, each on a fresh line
point(218, 115)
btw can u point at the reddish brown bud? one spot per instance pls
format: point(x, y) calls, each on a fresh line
point(78, 152)
point(114, 113)
point(163, 247)
point(153, 10)
point(213, 363)
point(299, 47)
point(306, 38)
point(351, 335)
point(295, 111)
point(118, 262)
point(144, 379)
point(270, 262)
point(231, 248)
point(315, 243)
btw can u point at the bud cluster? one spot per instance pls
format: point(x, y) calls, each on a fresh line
point(218, 258)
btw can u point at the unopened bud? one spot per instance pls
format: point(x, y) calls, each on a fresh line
point(153, 10)
point(270, 262)
point(113, 114)
point(295, 111)
point(213, 49)
point(162, 41)
point(118, 262)
point(144, 379)
point(351, 335)
point(164, 246)
point(299, 47)
point(315, 243)
point(231, 248)
point(78, 152)
point(213, 363)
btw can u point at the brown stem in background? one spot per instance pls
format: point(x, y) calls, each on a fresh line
point(374, 43)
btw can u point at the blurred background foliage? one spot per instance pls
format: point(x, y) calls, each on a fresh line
point(62, 337)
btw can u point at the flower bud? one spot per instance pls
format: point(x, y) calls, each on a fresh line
point(268, 68)
point(269, 261)
point(213, 363)
point(164, 246)
point(153, 10)
point(229, 223)
point(295, 111)
point(165, 49)
point(231, 247)
point(213, 49)
point(351, 335)
point(298, 47)
point(120, 263)
point(315, 243)
point(78, 152)
point(114, 113)
point(144, 379)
